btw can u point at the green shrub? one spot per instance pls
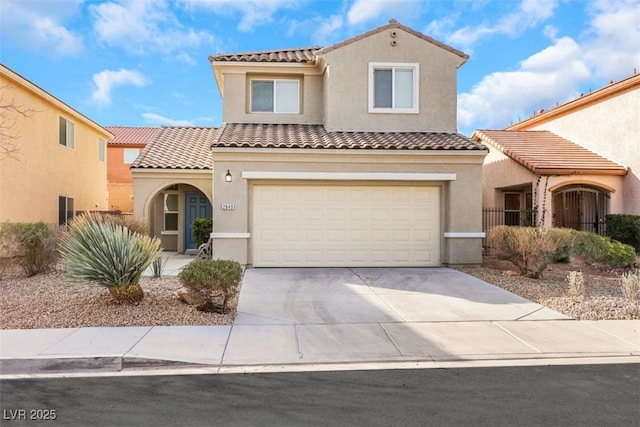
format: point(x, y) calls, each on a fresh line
point(109, 255)
point(35, 245)
point(531, 249)
point(211, 279)
point(158, 266)
point(202, 230)
point(596, 249)
point(625, 229)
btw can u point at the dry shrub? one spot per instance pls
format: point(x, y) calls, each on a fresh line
point(34, 246)
point(530, 249)
point(630, 285)
point(576, 288)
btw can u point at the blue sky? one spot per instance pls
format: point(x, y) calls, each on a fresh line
point(145, 62)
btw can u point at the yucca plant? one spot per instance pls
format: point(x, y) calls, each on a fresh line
point(109, 255)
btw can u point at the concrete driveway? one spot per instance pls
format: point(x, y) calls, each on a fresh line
point(314, 315)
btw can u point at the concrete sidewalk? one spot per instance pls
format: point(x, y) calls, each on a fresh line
point(293, 319)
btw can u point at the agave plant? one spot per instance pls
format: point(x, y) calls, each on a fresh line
point(109, 255)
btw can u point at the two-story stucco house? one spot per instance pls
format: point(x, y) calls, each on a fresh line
point(346, 155)
point(58, 161)
point(573, 164)
point(122, 150)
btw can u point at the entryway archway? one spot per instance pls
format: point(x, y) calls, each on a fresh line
point(581, 207)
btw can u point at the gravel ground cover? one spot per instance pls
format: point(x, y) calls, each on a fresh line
point(48, 301)
point(603, 299)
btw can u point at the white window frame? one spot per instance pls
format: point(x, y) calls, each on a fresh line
point(167, 211)
point(275, 95)
point(66, 139)
point(415, 67)
point(102, 150)
point(129, 150)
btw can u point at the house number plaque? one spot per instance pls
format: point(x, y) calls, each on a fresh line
point(228, 206)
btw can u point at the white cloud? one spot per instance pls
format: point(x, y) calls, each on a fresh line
point(157, 119)
point(40, 25)
point(106, 80)
point(612, 46)
point(528, 15)
point(143, 26)
point(364, 11)
point(543, 79)
point(253, 12)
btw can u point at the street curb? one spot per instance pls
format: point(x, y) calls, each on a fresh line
point(83, 364)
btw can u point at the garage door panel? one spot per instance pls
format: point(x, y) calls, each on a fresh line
point(347, 225)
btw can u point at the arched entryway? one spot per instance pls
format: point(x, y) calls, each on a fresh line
point(581, 207)
point(171, 212)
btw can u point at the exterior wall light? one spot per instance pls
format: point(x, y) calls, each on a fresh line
point(228, 177)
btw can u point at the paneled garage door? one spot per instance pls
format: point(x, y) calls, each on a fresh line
point(345, 225)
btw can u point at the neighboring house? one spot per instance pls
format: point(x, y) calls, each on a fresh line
point(573, 164)
point(122, 150)
point(345, 156)
point(172, 184)
point(59, 165)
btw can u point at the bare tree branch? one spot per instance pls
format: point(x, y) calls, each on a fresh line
point(10, 113)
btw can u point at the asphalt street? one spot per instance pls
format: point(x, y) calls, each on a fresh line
point(583, 395)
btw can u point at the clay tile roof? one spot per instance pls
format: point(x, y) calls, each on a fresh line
point(244, 135)
point(129, 135)
point(546, 153)
point(178, 148)
point(301, 55)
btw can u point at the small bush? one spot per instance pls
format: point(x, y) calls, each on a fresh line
point(211, 279)
point(128, 221)
point(624, 229)
point(531, 249)
point(35, 245)
point(109, 255)
point(630, 285)
point(158, 266)
point(575, 280)
point(202, 230)
point(596, 249)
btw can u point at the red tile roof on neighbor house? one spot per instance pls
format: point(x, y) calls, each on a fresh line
point(130, 135)
point(178, 147)
point(251, 135)
point(546, 153)
point(309, 54)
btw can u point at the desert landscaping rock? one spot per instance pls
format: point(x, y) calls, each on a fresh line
point(48, 301)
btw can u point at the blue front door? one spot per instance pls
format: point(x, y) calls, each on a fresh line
point(196, 206)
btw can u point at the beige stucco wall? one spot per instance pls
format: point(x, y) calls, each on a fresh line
point(460, 204)
point(610, 127)
point(236, 105)
point(346, 90)
point(43, 170)
point(148, 201)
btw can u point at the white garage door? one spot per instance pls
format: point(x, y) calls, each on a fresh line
point(345, 225)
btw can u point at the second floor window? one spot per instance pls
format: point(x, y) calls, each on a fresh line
point(130, 155)
point(66, 132)
point(393, 88)
point(102, 150)
point(275, 96)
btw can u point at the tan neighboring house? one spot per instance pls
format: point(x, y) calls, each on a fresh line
point(346, 155)
point(571, 165)
point(172, 184)
point(59, 165)
point(122, 150)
